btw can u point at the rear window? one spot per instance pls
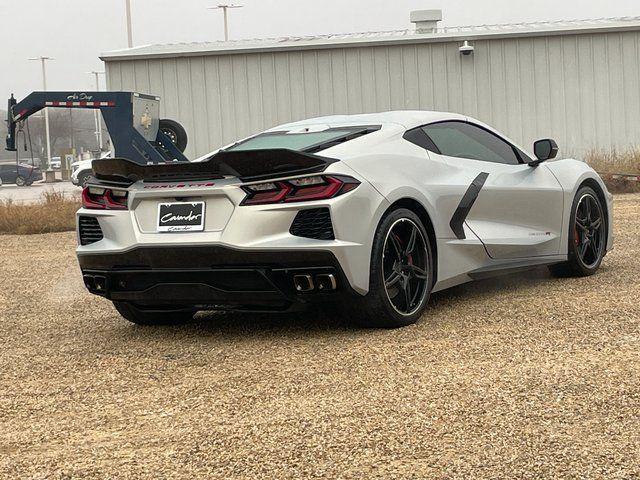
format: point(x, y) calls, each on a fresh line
point(302, 141)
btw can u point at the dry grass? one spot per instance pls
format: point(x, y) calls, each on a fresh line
point(627, 161)
point(607, 163)
point(524, 376)
point(55, 212)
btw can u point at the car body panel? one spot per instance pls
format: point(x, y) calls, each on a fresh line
point(519, 210)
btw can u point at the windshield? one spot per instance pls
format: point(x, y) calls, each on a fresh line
point(304, 141)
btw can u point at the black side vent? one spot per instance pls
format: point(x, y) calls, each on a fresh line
point(313, 223)
point(90, 231)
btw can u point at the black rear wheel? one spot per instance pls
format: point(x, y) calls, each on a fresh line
point(153, 316)
point(587, 236)
point(401, 273)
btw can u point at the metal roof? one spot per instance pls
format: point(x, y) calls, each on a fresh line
point(362, 39)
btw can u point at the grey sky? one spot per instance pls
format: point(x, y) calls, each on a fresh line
point(75, 32)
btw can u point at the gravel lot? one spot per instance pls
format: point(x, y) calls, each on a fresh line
point(519, 377)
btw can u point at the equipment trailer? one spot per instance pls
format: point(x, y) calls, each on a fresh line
point(132, 119)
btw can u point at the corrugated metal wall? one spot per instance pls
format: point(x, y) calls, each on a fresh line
point(582, 90)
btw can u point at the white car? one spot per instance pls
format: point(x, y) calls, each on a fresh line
point(56, 163)
point(372, 211)
point(81, 171)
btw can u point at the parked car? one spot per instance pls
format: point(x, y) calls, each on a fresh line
point(81, 171)
point(373, 212)
point(56, 163)
point(21, 174)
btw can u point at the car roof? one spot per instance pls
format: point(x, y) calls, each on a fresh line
point(405, 118)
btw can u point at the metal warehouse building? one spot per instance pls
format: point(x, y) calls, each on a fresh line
point(578, 81)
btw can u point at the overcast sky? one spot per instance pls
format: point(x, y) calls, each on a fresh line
point(75, 32)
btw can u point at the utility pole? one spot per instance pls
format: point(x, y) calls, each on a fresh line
point(129, 34)
point(224, 8)
point(98, 120)
point(46, 110)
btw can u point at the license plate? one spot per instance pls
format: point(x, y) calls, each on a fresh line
point(181, 217)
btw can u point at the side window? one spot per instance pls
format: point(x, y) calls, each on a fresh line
point(418, 137)
point(460, 139)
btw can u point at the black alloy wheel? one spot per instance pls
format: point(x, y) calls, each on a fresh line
point(589, 235)
point(402, 273)
point(405, 263)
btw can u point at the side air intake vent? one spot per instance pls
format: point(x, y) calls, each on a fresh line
point(90, 231)
point(313, 223)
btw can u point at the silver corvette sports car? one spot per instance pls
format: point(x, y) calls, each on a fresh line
point(373, 212)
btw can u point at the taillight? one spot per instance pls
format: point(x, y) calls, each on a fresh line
point(98, 198)
point(299, 189)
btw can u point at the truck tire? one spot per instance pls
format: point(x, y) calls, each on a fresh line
point(176, 133)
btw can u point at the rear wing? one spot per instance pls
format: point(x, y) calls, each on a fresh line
point(132, 119)
point(247, 165)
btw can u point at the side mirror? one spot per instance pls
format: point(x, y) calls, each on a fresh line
point(545, 149)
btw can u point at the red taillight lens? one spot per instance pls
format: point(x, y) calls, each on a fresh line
point(299, 190)
point(98, 198)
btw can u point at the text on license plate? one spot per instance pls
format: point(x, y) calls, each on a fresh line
point(181, 217)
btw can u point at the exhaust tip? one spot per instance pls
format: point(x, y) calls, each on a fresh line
point(326, 281)
point(303, 283)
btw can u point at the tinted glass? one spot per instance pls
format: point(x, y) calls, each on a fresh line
point(459, 139)
point(291, 141)
point(418, 137)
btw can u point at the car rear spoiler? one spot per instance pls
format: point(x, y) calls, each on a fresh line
point(247, 165)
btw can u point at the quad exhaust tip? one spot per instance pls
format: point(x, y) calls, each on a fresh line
point(326, 281)
point(96, 284)
point(305, 283)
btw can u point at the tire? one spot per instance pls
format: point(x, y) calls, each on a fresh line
point(153, 317)
point(587, 244)
point(176, 133)
point(381, 307)
point(20, 181)
point(82, 179)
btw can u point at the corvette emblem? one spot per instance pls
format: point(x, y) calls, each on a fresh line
point(145, 120)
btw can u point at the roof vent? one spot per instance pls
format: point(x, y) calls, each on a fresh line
point(426, 20)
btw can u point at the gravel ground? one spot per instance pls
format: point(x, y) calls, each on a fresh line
point(524, 376)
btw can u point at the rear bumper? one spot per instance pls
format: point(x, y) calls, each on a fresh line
point(211, 277)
